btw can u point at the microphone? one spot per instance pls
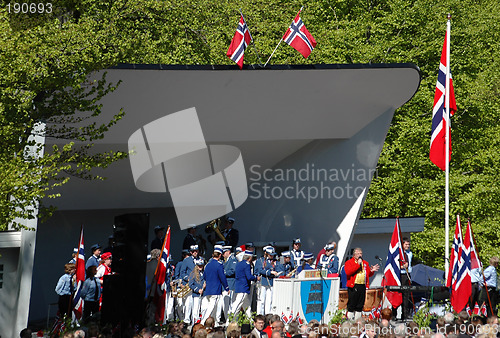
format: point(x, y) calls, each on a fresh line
point(377, 257)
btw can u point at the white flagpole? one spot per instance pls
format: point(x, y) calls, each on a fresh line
point(301, 8)
point(447, 151)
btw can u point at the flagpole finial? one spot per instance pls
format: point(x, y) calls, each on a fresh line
point(449, 16)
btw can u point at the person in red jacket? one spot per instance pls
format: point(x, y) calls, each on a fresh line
point(358, 273)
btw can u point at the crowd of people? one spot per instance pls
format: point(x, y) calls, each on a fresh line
point(449, 325)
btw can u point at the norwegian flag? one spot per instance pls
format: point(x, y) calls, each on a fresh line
point(392, 271)
point(161, 278)
point(298, 319)
point(468, 310)
point(476, 311)
point(284, 318)
point(290, 317)
point(379, 310)
point(475, 262)
point(298, 37)
point(373, 314)
point(438, 143)
point(484, 311)
point(240, 41)
point(80, 278)
point(460, 276)
point(59, 325)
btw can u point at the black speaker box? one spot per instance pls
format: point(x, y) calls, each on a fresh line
point(124, 292)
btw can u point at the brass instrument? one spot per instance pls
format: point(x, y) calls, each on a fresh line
point(179, 291)
point(215, 226)
point(291, 273)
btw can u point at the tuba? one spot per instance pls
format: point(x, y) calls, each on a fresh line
point(215, 226)
point(179, 291)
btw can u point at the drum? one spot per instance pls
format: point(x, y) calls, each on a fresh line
point(373, 298)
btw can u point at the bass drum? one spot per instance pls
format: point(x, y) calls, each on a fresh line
point(373, 298)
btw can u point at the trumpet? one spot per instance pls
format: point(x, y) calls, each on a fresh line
point(215, 226)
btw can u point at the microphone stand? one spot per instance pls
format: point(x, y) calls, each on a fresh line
point(411, 292)
point(322, 281)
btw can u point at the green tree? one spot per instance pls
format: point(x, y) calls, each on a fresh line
point(45, 60)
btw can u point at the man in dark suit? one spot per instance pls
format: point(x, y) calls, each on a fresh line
point(190, 238)
point(258, 327)
point(157, 242)
point(231, 234)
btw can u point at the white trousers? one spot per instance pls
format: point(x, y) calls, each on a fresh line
point(208, 304)
point(242, 300)
point(264, 299)
point(179, 309)
point(188, 308)
point(224, 304)
point(169, 308)
point(196, 309)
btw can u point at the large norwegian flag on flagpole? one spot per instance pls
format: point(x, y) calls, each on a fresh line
point(80, 278)
point(161, 277)
point(438, 142)
point(239, 43)
point(392, 271)
point(298, 37)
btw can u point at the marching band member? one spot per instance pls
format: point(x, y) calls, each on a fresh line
point(306, 262)
point(229, 270)
point(239, 252)
point(197, 285)
point(231, 235)
point(216, 282)
point(329, 261)
point(190, 238)
point(287, 263)
point(169, 300)
point(266, 268)
point(178, 278)
point(243, 280)
point(188, 266)
point(296, 253)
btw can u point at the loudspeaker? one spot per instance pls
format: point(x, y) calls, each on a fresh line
point(124, 301)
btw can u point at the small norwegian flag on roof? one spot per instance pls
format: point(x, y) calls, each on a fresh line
point(298, 37)
point(239, 43)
